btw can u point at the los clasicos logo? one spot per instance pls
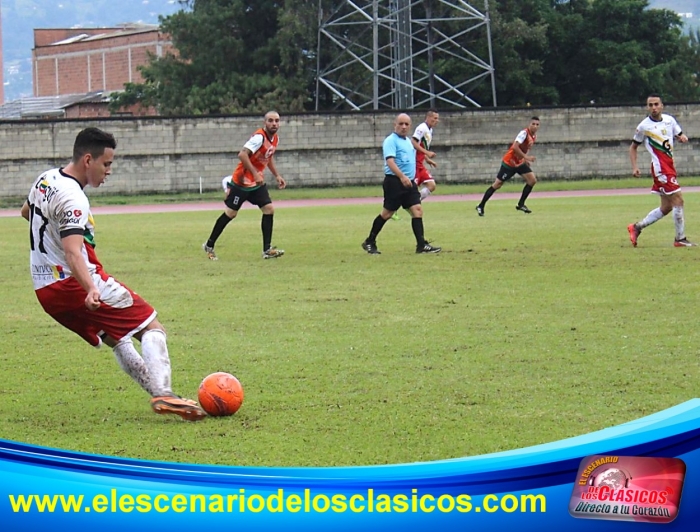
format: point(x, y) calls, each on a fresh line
point(628, 488)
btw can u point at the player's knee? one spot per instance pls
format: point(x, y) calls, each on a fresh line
point(497, 184)
point(155, 325)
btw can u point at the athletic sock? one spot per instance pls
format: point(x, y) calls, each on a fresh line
point(154, 351)
point(679, 221)
point(487, 195)
point(134, 366)
point(376, 228)
point(221, 223)
point(266, 226)
point(653, 216)
point(417, 226)
point(526, 192)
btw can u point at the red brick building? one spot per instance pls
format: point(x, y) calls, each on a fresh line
point(88, 60)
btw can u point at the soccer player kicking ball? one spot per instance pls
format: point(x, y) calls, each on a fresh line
point(658, 131)
point(73, 288)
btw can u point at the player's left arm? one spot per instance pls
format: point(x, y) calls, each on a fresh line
point(281, 183)
point(678, 132)
point(417, 146)
point(24, 211)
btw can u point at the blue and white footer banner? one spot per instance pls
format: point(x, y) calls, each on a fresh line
point(642, 474)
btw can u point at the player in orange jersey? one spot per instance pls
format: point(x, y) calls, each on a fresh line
point(516, 161)
point(248, 184)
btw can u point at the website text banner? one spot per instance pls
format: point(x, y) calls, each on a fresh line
point(525, 489)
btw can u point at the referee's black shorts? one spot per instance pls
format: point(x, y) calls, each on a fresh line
point(398, 196)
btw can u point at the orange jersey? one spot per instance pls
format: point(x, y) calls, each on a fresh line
point(259, 158)
point(525, 139)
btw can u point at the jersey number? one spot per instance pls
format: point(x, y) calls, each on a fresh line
point(36, 211)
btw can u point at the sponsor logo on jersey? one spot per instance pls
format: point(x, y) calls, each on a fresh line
point(58, 272)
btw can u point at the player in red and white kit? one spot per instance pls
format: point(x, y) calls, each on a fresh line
point(657, 132)
point(73, 288)
point(516, 161)
point(422, 139)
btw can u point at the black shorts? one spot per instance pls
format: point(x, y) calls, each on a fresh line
point(236, 196)
point(506, 172)
point(396, 195)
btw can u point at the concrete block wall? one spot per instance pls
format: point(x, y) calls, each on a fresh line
point(157, 154)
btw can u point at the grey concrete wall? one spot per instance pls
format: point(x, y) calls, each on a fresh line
point(170, 154)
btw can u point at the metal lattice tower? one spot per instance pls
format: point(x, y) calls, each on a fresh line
point(378, 54)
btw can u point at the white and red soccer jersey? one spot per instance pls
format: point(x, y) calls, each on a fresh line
point(525, 139)
point(658, 137)
point(58, 207)
point(424, 136)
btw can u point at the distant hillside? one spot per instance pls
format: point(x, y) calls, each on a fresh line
point(21, 17)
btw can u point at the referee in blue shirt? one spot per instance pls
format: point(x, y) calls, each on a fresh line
point(400, 190)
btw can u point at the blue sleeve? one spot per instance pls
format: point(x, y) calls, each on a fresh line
point(389, 147)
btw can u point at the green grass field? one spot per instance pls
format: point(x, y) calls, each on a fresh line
point(524, 330)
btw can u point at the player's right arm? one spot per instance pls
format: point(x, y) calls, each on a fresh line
point(73, 250)
point(253, 145)
point(521, 154)
point(636, 172)
point(636, 141)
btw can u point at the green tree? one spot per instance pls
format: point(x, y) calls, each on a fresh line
point(232, 56)
point(617, 51)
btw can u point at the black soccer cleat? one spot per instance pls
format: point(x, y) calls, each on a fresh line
point(427, 248)
point(371, 247)
point(479, 210)
point(523, 208)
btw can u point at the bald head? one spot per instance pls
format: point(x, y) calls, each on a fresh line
point(272, 122)
point(402, 124)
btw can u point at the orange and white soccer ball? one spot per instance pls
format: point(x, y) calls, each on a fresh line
point(220, 394)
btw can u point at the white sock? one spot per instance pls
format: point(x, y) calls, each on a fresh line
point(653, 216)
point(679, 221)
point(154, 351)
point(134, 366)
point(424, 193)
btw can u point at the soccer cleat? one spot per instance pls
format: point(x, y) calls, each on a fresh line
point(273, 253)
point(185, 408)
point(683, 243)
point(210, 252)
point(523, 208)
point(427, 248)
point(395, 217)
point(634, 233)
point(479, 210)
point(371, 247)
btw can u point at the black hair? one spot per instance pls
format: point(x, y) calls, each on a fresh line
point(654, 95)
point(535, 118)
point(93, 141)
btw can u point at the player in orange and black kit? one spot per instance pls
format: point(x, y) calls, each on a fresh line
point(248, 184)
point(516, 161)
